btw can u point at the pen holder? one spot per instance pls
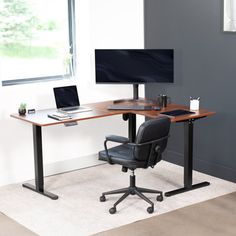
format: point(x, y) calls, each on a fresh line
point(194, 104)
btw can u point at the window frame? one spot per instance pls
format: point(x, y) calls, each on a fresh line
point(72, 51)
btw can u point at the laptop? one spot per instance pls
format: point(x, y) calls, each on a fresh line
point(67, 100)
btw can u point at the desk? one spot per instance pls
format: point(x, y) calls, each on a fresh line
point(40, 119)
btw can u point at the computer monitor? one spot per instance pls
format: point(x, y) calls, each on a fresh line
point(134, 66)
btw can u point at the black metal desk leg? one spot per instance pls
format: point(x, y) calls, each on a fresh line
point(188, 154)
point(132, 127)
point(188, 162)
point(38, 165)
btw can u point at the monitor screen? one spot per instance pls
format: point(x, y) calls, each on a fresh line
point(135, 66)
point(66, 96)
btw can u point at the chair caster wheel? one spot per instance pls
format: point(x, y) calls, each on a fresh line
point(102, 198)
point(112, 210)
point(150, 210)
point(160, 198)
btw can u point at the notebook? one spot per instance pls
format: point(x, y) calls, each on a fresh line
point(67, 100)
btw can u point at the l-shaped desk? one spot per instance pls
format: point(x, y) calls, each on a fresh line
point(99, 110)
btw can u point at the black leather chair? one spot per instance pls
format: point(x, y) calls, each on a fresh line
point(151, 141)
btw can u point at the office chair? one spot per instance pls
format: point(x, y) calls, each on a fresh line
point(146, 151)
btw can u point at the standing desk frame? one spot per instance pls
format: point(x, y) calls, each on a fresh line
point(40, 119)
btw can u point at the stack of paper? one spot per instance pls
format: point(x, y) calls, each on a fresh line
point(59, 116)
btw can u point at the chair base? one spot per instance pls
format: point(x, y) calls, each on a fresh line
point(132, 190)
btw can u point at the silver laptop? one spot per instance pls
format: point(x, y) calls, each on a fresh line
point(67, 100)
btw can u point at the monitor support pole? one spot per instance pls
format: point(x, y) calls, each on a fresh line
point(135, 92)
point(135, 97)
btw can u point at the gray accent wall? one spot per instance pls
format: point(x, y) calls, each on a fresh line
point(205, 66)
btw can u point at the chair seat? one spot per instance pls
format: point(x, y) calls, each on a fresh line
point(123, 155)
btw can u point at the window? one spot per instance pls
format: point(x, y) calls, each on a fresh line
point(37, 40)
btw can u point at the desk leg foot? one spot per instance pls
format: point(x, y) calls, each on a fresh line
point(186, 189)
point(45, 193)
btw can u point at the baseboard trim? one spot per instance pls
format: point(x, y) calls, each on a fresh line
point(71, 165)
point(203, 166)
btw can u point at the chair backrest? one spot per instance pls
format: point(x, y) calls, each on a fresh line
point(150, 131)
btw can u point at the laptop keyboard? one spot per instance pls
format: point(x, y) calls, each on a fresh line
point(69, 108)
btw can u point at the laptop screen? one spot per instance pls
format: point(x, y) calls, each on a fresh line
point(66, 96)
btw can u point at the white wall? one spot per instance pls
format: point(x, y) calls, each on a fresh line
point(100, 24)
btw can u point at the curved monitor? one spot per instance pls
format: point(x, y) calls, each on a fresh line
point(135, 66)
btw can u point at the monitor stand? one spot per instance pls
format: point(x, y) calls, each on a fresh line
point(135, 97)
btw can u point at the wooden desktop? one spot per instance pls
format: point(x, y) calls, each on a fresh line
point(99, 110)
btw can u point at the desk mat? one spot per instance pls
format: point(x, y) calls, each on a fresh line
point(178, 112)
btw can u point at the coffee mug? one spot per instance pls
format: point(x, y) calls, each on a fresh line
point(163, 100)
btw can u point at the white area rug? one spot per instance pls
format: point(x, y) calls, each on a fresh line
point(78, 210)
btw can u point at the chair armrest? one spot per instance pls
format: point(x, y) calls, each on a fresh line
point(117, 139)
point(114, 138)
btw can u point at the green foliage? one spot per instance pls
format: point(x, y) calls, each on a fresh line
point(49, 26)
point(16, 21)
point(22, 106)
point(17, 50)
point(18, 26)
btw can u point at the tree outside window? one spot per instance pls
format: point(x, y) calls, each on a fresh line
point(35, 40)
